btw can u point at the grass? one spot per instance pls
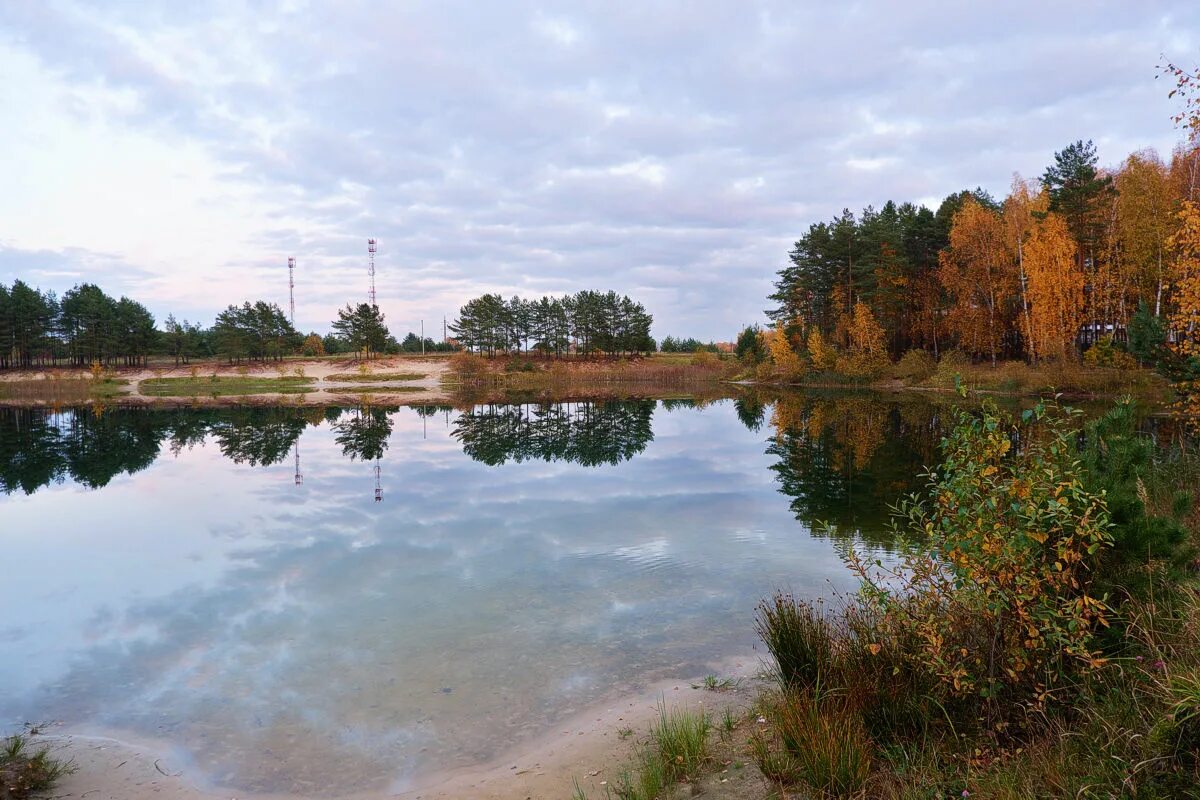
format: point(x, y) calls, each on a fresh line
point(375, 389)
point(60, 389)
point(27, 772)
point(677, 750)
point(215, 386)
point(714, 684)
point(368, 377)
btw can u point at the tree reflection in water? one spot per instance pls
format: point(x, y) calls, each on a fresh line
point(845, 458)
point(586, 433)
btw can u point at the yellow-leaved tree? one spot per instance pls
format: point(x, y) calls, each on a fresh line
point(979, 277)
point(1148, 215)
point(1185, 321)
point(1055, 286)
point(786, 361)
point(821, 353)
point(867, 353)
point(1021, 210)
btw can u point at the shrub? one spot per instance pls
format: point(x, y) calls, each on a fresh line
point(312, 346)
point(998, 594)
point(915, 366)
point(860, 364)
point(950, 364)
point(520, 365)
point(705, 358)
point(1105, 353)
point(468, 367)
point(1135, 475)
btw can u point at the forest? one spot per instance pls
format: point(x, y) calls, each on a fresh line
point(585, 322)
point(1080, 256)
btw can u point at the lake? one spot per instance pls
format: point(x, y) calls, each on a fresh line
point(325, 601)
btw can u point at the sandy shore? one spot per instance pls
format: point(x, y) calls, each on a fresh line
point(587, 748)
point(326, 388)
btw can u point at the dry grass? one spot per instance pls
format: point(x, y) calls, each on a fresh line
point(1067, 377)
point(59, 388)
point(573, 375)
point(373, 377)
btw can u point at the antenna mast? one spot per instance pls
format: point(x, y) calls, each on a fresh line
point(292, 288)
point(371, 270)
point(378, 485)
point(299, 476)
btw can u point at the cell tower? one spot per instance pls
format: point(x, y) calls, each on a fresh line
point(371, 270)
point(378, 485)
point(292, 288)
point(299, 476)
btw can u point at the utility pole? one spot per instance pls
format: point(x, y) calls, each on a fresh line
point(292, 289)
point(422, 337)
point(371, 270)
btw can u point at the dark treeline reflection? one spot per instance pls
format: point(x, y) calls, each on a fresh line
point(845, 459)
point(41, 446)
point(587, 433)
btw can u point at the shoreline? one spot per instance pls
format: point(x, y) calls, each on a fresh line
point(587, 747)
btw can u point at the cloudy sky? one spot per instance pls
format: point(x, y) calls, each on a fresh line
point(180, 152)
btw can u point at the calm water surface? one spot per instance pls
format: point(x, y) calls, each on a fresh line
point(167, 576)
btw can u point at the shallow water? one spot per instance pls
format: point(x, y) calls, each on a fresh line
point(166, 574)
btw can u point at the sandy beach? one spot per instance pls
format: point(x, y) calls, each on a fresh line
point(587, 748)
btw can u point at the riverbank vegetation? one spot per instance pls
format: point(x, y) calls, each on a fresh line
point(1037, 635)
point(26, 771)
point(475, 375)
point(1039, 639)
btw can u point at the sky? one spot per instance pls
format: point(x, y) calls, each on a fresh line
point(179, 153)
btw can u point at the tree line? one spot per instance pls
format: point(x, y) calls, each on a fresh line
point(86, 326)
point(1079, 255)
point(586, 322)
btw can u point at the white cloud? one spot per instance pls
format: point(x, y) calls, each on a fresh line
point(181, 152)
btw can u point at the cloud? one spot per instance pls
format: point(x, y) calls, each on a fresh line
point(671, 150)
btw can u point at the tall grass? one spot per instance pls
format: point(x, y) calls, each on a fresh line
point(676, 751)
point(826, 742)
point(28, 772)
point(799, 638)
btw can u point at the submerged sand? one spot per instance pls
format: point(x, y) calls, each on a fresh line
point(588, 749)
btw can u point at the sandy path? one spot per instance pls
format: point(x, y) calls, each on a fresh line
point(586, 748)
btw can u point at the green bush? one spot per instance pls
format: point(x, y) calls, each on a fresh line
point(1146, 501)
point(998, 595)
